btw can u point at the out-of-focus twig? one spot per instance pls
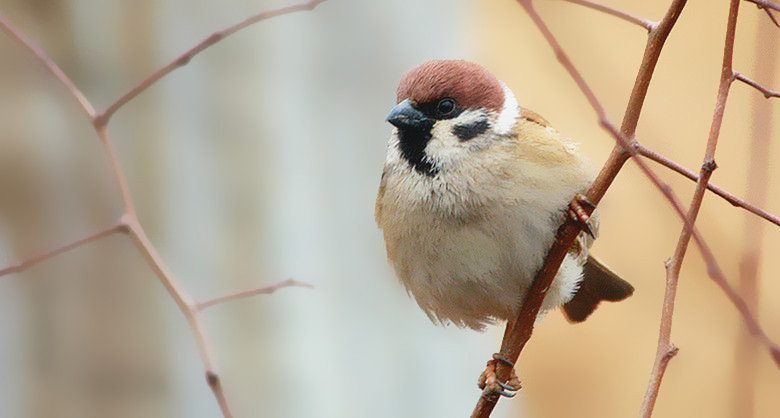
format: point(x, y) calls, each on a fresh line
point(129, 222)
point(47, 62)
point(647, 24)
point(745, 366)
point(267, 290)
point(765, 91)
point(38, 258)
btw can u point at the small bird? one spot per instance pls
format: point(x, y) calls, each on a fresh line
point(472, 193)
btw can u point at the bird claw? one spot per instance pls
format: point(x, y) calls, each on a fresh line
point(578, 214)
point(489, 383)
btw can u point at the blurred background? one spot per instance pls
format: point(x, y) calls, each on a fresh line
point(259, 161)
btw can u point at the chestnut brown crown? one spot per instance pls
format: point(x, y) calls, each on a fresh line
point(470, 85)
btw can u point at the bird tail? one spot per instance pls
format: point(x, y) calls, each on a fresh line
point(598, 283)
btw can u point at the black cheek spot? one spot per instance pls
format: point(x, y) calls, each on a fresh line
point(469, 131)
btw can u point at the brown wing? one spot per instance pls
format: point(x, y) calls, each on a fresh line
point(598, 283)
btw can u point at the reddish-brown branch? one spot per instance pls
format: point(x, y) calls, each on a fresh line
point(716, 275)
point(645, 23)
point(31, 261)
point(765, 91)
point(673, 267)
point(735, 201)
point(129, 221)
point(185, 58)
point(522, 326)
point(267, 290)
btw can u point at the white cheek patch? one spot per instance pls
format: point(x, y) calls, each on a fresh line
point(509, 113)
point(444, 147)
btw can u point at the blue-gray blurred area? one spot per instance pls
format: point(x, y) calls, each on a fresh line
point(256, 162)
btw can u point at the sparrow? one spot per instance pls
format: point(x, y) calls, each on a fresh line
point(473, 190)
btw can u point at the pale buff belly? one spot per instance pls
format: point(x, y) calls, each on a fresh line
point(472, 273)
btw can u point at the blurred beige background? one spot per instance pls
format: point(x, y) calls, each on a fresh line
point(259, 161)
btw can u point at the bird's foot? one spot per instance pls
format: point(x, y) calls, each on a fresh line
point(489, 383)
point(579, 215)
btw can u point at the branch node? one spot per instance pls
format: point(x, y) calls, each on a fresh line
point(671, 351)
point(184, 59)
point(212, 378)
point(709, 166)
point(123, 226)
point(100, 120)
point(215, 37)
point(653, 27)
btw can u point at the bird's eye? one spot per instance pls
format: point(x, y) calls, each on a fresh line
point(445, 106)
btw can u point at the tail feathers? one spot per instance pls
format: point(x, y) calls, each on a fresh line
point(598, 283)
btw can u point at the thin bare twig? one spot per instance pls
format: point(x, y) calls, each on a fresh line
point(765, 91)
point(645, 23)
point(185, 58)
point(31, 261)
point(665, 349)
point(267, 290)
point(677, 167)
point(47, 62)
point(129, 221)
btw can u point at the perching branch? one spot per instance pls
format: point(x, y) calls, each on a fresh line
point(129, 221)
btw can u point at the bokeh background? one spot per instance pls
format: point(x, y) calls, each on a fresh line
point(259, 161)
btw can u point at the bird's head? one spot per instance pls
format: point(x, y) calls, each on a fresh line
point(448, 109)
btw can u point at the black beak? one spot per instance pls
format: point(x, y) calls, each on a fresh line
point(405, 116)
